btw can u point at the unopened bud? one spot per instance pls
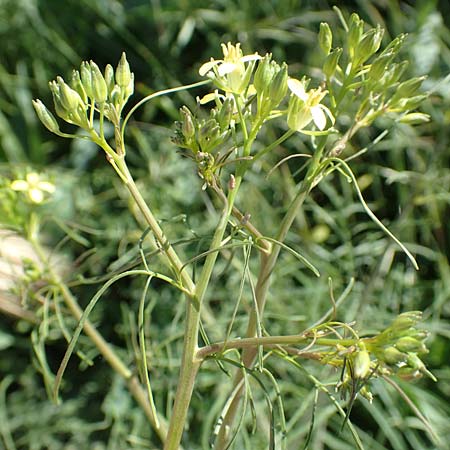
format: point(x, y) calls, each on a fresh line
point(109, 78)
point(369, 44)
point(378, 67)
point(361, 364)
point(354, 33)
point(187, 127)
point(410, 87)
point(46, 117)
point(393, 356)
point(415, 118)
point(406, 320)
point(278, 87)
point(70, 99)
point(99, 87)
point(86, 78)
point(123, 72)
point(77, 85)
point(325, 38)
point(264, 74)
point(409, 344)
point(330, 64)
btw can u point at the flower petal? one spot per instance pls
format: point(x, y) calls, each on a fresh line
point(226, 68)
point(318, 116)
point(205, 68)
point(297, 88)
point(36, 195)
point(46, 186)
point(19, 185)
point(253, 57)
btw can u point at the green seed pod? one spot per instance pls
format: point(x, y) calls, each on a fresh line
point(325, 38)
point(330, 64)
point(409, 344)
point(361, 364)
point(123, 72)
point(99, 87)
point(77, 85)
point(70, 99)
point(86, 78)
point(393, 356)
point(46, 117)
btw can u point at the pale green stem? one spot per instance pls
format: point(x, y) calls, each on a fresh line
point(268, 262)
point(172, 257)
point(190, 361)
point(270, 341)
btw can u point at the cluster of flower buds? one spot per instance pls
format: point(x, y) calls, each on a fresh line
point(204, 138)
point(378, 81)
point(398, 347)
point(88, 91)
point(270, 82)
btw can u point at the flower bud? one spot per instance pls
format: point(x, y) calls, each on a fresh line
point(354, 33)
point(406, 320)
point(361, 364)
point(330, 64)
point(278, 87)
point(414, 362)
point(99, 87)
point(264, 74)
point(393, 356)
point(378, 67)
point(187, 127)
point(415, 118)
point(70, 99)
point(77, 85)
point(409, 344)
point(59, 108)
point(409, 88)
point(225, 114)
point(123, 72)
point(86, 78)
point(368, 45)
point(408, 373)
point(394, 73)
point(46, 117)
point(325, 38)
point(109, 78)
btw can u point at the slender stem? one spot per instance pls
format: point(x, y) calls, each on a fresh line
point(269, 341)
point(190, 360)
point(172, 257)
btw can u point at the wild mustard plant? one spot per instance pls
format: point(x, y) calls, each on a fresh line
point(359, 84)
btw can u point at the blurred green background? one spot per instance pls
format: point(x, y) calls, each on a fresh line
point(405, 178)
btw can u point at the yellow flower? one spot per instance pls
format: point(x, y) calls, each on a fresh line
point(230, 73)
point(34, 187)
point(305, 107)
